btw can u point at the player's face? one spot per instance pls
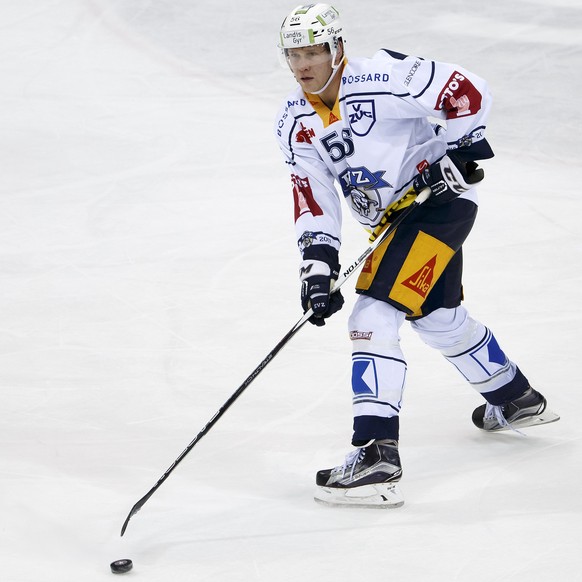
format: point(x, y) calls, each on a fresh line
point(311, 66)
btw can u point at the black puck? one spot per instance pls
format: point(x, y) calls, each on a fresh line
point(121, 566)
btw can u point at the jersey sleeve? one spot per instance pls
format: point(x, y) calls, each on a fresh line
point(459, 99)
point(316, 203)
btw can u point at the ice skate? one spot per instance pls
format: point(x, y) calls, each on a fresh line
point(368, 478)
point(528, 410)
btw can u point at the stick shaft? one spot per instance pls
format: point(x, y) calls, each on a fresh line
point(346, 274)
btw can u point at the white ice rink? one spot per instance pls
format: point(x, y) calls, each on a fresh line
point(148, 264)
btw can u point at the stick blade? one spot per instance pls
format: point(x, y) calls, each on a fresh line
point(135, 509)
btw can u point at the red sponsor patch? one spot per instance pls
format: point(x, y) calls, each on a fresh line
point(367, 268)
point(303, 197)
point(304, 135)
point(421, 281)
point(459, 97)
point(422, 166)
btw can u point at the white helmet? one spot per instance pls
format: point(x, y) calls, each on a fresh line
point(310, 25)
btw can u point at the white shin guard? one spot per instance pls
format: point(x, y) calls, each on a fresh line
point(469, 346)
point(378, 365)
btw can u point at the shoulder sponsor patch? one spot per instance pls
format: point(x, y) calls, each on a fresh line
point(304, 135)
point(412, 72)
point(459, 97)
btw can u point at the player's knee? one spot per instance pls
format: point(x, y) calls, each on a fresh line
point(374, 321)
point(450, 331)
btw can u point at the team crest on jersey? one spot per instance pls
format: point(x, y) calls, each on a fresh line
point(361, 186)
point(361, 177)
point(362, 116)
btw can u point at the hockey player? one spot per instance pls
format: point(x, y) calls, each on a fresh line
point(383, 129)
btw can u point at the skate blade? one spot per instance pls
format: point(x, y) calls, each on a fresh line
point(545, 417)
point(378, 496)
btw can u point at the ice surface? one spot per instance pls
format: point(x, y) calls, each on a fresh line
point(148, 265)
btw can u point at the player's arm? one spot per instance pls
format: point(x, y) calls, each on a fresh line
point(458, 98)
point(461, 101)
point(317, 215)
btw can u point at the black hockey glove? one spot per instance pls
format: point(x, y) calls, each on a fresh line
point(448, 178)
point(317, 279)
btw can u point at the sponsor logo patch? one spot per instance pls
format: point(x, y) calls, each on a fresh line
point(364, 378)
point(332, 118)
point(422, 166)
point(411, 73)
point(304, 135)
point(421, 281)
point(424, 264)
point(303, 197)
point(459, 97)
point(361, 335)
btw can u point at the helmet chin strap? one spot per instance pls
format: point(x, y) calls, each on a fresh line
point(333, 74)
point(334, 71)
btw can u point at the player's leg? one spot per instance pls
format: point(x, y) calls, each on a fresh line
point(473, 349)
point(368, 475)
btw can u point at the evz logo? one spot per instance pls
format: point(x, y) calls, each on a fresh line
point(362, 115)
point(361, 186)
point(361, 177)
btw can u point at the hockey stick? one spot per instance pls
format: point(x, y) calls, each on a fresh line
point(341, 280)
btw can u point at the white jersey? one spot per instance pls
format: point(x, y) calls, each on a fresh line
point(388, 121)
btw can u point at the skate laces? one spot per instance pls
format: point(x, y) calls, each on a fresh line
point(353, 458)
point(493, 412)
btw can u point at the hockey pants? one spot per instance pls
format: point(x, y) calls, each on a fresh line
point(379, 366)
